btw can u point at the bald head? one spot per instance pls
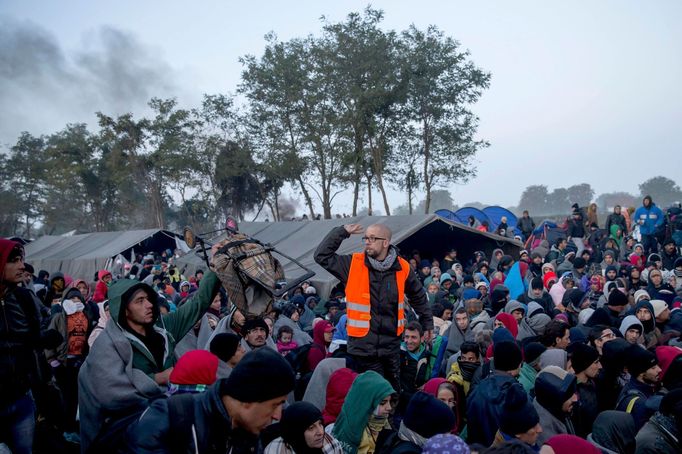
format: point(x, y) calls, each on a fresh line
point(380, 230)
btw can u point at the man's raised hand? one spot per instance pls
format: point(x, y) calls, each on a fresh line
point(353, 229)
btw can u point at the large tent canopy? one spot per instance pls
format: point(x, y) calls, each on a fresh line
point(432, 235)
point(81, 256)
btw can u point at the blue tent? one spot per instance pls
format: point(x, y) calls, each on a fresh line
point(464, 213)
point(447, 214)
point(495, 214)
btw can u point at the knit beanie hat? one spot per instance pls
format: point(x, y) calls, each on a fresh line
point(224, 345)
point(428, 416)
point(571, 444)
point(666, 354)
point(659, 306)
point(261, 375)
point(425, 264)
point(518, 414)
point(506, 356)
point(582, 356)
point(536, 283)
point(445, 444)
point(196, 367)
point(641, 293)
point(553, 387)
point(639, 360)
point(253, 324)
point(579, 263)
point(532, 352)
point(617, 298)
point(445, 277)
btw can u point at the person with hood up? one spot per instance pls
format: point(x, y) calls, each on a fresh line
point(22, 340)
point(537, 318)
point(504, 320)
point(448, 393)
point(364, 414)
point(228, 417)
point(631, 329)
point(53, 293)
point(537, 293)
point(134, 355)
point(670, 360)
point(649, 218)
point(497, 299)
point(485, 403)
point(670, 254)
point(425, 417)
point(290, 317)
point(319, 349)
point(586, 367)
point(101, 289)
point(340, 382)
point(518, 311)
point(531, 366)
point(458, 332)
point(519, 420)
point(663, 432)
point(75, 325)
point(616, 218)
point(613, 432)
point(557, 291)
point(555, 397)
point(303, 433)
point(645, 377)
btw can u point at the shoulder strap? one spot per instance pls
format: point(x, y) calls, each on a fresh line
point(181, 420)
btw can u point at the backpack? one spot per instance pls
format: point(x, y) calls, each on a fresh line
point(298, 358)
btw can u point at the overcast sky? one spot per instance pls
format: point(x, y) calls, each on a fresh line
point(581, 91)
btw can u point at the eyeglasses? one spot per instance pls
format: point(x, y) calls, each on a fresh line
point(607, 336)
point(371, 239)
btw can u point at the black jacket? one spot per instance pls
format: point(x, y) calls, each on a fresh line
point(381, 339)
point(527, 225)
point(21, 343)
point(586, 410)
point(154, 432)
point(615, 219)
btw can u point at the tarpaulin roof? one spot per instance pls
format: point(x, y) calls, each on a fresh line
point(80, 256)
point(430, 234)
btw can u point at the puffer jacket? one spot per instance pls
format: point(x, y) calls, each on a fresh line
point(381, 339)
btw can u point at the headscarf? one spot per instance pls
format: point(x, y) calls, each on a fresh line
point(615, 430)
point(296, 419)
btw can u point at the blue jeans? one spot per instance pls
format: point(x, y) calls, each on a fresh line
point(17, 424)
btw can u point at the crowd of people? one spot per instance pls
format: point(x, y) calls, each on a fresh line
point(569, 347)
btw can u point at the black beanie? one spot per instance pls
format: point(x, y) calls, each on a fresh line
point(296, 419)
point(617, 298)
point(224, 345)
point(428, 416)
point(582, 356)
point(518, 414)
point(506, 356)
point(261, 375)
point(536, 284)
point(639, 360)
point(255, 323)
point(579, 262)
point(532, 352)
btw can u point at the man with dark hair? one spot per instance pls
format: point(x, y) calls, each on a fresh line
point(557, 335)
point(599, 335)
point(558, 251)
point(21, 343)
point(586, 366)
point(616, 218)
point(255, 333)
point(376, 281)
point(645, 377)
point(228, 417)
point(134, 355)
point(414, 362)
point(526, 224)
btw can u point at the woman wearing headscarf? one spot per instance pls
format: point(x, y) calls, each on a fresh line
point(614, 432)
point(364, 414)
point(303, 433)
point(447, 393)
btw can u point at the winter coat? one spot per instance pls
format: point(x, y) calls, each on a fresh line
point(586, 409)
point(551, 425)
point(210, 431)
point(318, 349)
point(59, 324)
point(382, 338)
point(658, 435)
point(642, 392)
point(484, 407)
point(101, 289)
point(616, 219)
point(651, 218)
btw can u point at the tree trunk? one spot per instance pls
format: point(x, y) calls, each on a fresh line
point(356, 195)
point(380, 183)
point(306, 196)
point(369, 196)
point(427, 161)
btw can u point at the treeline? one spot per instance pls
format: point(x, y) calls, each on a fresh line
point(355, 108)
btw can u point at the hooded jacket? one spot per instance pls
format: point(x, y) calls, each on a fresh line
point(318, 350)
point(117, 376)
point(551, 391)
point(630, 322)
point(101, 288)
point(339, 384)
point(650, 217)
point(613, 432)
point(485, 405)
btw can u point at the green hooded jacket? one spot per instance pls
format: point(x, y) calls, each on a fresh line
point(173, 326)
point(364, 396)
point(527, 378)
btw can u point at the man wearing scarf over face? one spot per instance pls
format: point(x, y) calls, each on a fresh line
point(376, 282)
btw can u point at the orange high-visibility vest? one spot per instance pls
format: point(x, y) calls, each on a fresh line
point(357, 296)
